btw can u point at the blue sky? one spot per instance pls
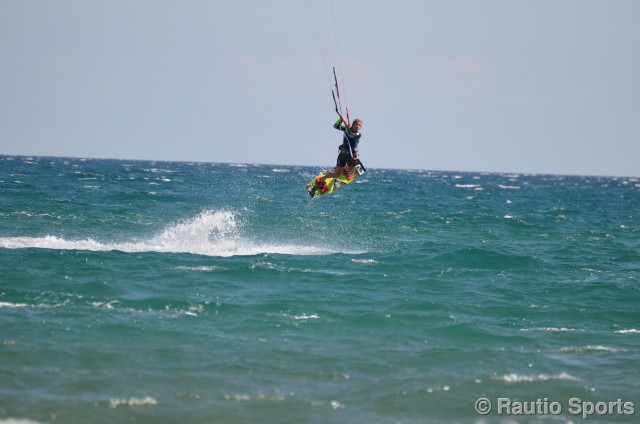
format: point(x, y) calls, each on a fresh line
point(495, 86)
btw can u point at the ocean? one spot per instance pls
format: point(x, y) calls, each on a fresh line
point(167, 292)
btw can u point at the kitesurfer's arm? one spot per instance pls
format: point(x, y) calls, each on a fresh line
point(338, 125)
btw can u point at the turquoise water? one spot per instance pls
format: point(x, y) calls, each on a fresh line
point(156, 292)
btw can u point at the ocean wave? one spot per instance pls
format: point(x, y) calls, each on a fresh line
point(35, 305)
point(12, 305)
point(515, 378)
point(212, 233)
point(630, 331)
point(588, 348)
point(364, 261)
point(305, 316)
point(18, 421)
point(260, 397)
point(474, 186)
point(199, 268)
point(132, 401)
point(552, 329)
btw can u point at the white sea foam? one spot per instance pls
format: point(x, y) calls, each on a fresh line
point(515, 378)
point(12, 305)
point(305, 316)
point(212, 233)
point(364, 261)
point(588, 348)
point(630, 331)
point(552, 329)
point(132, 401)
point(260, 397)
point(106, 305)
point(199, 268)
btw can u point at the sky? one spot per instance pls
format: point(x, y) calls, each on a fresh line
point(511, 86)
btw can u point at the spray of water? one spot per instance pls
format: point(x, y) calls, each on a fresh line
point(211, 233)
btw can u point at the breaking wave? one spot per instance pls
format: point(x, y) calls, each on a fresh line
point(516, 378)
point(211, 233)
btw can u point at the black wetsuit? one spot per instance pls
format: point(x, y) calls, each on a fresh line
point(349, 147)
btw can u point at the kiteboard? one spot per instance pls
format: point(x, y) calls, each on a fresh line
point(334, 183)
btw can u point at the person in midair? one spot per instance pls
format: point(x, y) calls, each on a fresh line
point(348, 155)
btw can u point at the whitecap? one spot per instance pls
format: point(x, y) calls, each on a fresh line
point(12, 305)
point(198, 268)
point(106, 305)
point(364, 261)
point(211, 233)
point(588, 348)
point(551, 329)
point(132, 401)
point(260, 397)
point(336, 405)
point(515, 378)
point(305, 316)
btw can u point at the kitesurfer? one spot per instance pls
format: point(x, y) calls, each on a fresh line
point(348, 155)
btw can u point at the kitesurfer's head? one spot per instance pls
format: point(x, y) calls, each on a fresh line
point(356, 125)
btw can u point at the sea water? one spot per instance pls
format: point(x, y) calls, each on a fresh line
point(159, 292)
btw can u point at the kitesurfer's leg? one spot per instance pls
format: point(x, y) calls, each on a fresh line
point(339, 170)
point(348, 171)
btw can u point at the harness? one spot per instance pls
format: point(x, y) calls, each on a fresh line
point(349, 146)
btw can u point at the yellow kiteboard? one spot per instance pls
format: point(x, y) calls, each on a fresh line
point(334, 183)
